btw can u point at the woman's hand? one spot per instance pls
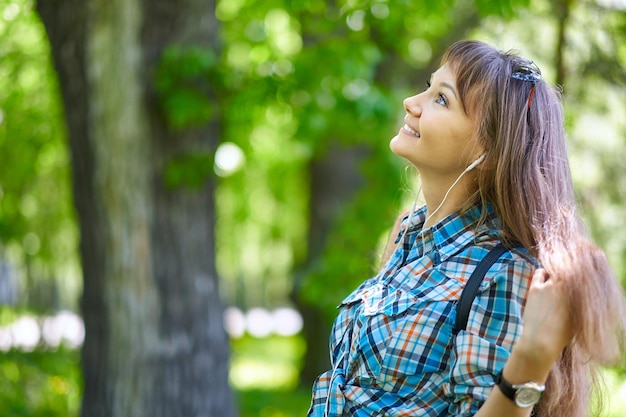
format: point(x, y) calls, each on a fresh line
point(547, 320)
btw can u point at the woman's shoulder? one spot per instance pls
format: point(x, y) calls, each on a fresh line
point(517, 254)
point(514, 262)
point(510, 274)
point(476, 249)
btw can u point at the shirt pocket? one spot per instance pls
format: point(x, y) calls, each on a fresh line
point(419, 343)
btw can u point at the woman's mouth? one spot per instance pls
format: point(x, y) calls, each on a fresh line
point(407, 129)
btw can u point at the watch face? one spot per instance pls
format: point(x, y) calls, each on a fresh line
point(527, 396)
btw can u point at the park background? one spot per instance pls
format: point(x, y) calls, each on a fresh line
point(188, 189)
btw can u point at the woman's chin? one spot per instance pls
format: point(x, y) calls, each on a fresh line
point(397, 146)
point(401, 148)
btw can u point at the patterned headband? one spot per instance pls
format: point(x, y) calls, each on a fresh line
point(526, 70)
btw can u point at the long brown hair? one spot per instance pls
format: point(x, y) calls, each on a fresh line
point(526, 176)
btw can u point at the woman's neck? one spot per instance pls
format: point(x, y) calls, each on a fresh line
point(435, 188)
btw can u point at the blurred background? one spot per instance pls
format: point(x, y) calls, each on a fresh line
point(277, 115)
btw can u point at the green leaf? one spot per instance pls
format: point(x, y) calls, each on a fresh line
point(185, 80)
point(191, 171)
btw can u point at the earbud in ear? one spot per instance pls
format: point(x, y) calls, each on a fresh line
point(475, 163)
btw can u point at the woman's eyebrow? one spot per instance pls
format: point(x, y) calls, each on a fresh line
point(444, 84)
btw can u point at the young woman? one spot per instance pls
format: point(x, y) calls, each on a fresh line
point(488, 141)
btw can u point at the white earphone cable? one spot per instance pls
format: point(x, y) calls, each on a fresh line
point(414, 205)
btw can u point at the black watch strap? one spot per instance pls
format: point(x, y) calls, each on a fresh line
point(505, 387)
point(523, 395)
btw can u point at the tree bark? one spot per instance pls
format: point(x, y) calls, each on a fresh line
point(562, 10)
point(155, 344)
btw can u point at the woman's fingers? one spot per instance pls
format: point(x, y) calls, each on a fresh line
point(547, 314)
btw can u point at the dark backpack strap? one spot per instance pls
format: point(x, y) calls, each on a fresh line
point(471, 288)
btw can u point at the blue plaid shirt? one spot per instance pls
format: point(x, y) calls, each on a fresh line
point(393, 352)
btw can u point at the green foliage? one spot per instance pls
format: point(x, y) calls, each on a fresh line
point(269, 363)
point(189, 171)
point(505, 9)
point(294, 79)
point(185, 80)
point(37, 224)
point(41, 383)
point(8, 315)
point(273, 403)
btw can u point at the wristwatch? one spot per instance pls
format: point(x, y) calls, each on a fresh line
point(523, 395)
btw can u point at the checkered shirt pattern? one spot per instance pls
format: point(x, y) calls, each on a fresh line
point(393, 352)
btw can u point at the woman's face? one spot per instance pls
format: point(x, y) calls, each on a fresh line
point(437, 137)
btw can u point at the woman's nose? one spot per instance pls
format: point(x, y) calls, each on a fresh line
point(412, 105)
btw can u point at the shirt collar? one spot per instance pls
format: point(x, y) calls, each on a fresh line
point(454, 232)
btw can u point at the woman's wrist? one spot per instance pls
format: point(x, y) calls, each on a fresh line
point(528, 362)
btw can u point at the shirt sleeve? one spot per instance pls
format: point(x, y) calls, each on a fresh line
point(495, 323)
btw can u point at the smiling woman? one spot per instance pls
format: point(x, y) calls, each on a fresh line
point(488, 141)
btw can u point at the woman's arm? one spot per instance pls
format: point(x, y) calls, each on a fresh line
point(546, 332)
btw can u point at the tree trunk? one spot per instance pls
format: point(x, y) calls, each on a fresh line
point(154, 344)
point(562, 10)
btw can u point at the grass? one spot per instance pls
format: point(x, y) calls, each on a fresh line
point(273, 403)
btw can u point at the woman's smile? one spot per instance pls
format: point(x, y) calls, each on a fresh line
point(408, 130)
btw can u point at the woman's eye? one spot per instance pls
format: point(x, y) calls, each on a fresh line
point(441, 99)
